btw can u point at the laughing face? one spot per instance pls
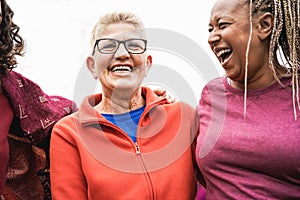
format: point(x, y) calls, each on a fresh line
point(119, 70)
point(229, 29)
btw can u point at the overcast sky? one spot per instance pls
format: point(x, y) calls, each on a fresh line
point(57, 35)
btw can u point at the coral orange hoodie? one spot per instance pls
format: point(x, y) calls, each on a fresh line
point(91, 158)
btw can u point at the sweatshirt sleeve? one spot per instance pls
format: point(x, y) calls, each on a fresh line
point(66, 176)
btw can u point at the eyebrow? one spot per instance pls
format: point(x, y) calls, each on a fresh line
point(219, 18)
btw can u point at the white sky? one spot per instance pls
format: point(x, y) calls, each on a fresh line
point(57, 34)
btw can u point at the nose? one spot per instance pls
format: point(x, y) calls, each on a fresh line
point(214, 38)
point(121, 52)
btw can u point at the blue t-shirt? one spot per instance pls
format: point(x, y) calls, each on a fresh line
point(127, 121)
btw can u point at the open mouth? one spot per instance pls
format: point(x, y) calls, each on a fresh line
point(121, 69)
point(224, 54)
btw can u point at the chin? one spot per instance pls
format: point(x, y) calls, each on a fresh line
point(128, 87)
point(234, 75)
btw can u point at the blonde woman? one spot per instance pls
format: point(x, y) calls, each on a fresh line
point(125, 143)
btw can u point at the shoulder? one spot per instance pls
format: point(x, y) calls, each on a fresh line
point(214, 92)
point(185, 106)
point(65, 130)
point(67, 122)
point(215, 85)
point(178, 108)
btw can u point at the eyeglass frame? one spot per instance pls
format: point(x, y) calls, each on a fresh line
point(119, 42)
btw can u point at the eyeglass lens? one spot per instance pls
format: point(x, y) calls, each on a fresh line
point(131, 45)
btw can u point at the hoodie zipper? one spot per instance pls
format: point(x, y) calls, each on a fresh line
point(137, 148)
point(138, 152)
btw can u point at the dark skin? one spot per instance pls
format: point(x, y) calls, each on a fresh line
point(229, 29)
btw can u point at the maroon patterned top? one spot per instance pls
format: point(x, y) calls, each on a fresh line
point(36, 112)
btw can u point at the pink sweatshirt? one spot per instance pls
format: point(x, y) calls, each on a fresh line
point(253, 158)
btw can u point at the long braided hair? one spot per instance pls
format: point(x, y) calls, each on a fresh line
point(284, 43)
point(11, 43)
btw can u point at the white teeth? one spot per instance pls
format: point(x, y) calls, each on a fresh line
point(121, 68)
point(220, 53)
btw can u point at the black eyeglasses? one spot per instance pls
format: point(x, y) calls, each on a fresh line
point(109, 45)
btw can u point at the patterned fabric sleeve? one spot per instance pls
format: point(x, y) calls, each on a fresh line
point(35, 111)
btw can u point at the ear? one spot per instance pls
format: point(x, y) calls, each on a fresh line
point(148, 63)
point(265, 25)
point(90, 63)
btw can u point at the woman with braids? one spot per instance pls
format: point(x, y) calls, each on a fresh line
point(248, 146)
point(27, 117)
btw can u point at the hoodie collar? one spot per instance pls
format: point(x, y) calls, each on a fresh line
point(88, 115)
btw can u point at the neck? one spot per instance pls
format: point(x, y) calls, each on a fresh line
point(120, 102)
point(252, 85)
point(259, 81)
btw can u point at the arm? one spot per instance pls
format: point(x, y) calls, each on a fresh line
point(66, 176)
point(194, 137)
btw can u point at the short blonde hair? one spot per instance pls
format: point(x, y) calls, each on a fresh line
point(114, 18)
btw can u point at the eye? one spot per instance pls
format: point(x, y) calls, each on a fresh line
point(108, 47)
point(135, 44)
point(210, 29)
point(223, 25)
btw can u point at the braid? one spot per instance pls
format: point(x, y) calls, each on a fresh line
point(274, 42)
point(285, 41)
point(247, 61)
point(290, 43)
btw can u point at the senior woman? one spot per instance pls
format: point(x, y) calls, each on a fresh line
point(126, 143)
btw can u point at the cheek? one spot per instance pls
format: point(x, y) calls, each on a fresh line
point(240, 49)
point(102, 65)
point(139, 59)
point(237, 36)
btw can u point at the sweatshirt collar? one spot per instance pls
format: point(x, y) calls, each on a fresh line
point(88, 115)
